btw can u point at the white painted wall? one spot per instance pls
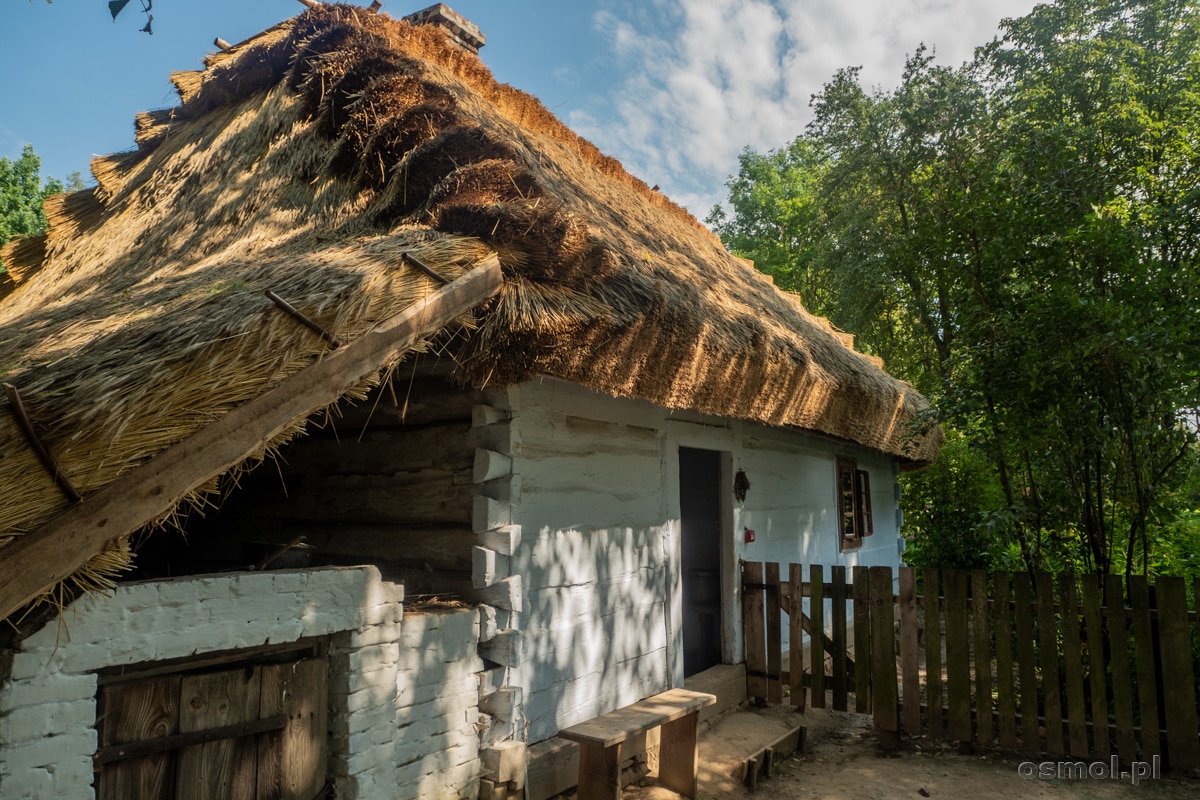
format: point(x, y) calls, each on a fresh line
point(404, 688)
point(596, 518)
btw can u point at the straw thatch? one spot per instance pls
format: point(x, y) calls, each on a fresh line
point(306, 160)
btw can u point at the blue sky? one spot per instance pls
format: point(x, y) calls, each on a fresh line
point(673, 88)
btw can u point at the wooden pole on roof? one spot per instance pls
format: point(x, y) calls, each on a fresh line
point(50, 554)
point(35, 443)
point(223, 45)
point(311, 3)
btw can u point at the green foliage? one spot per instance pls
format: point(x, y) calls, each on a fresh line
point(1019, 237)
point(776, 223)
point(948, 521)
point(22, 195)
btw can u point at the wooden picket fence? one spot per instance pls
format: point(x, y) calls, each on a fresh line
point(1075, 666)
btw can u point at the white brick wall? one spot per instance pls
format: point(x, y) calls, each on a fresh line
point(403, 687)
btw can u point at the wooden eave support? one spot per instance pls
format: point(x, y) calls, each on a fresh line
point(47, 555)
point(304, 320)
point(420, 265)
point(36, 444)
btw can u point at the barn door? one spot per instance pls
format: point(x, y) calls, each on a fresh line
point(701, 524)
point(255, 732)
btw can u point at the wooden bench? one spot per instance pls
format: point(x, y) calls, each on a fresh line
point(676, 711)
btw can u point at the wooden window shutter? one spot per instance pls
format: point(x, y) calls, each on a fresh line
point(866, 524)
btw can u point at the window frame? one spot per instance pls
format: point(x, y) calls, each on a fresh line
point(852, 490)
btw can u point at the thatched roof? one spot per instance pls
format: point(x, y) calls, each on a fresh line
point(307, 160)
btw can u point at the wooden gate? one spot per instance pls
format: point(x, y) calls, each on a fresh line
point(251, 732)
point(829, 661)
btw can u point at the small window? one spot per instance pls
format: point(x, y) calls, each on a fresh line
point(854, 504)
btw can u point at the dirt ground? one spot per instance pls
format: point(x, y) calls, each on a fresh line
point(842, 761)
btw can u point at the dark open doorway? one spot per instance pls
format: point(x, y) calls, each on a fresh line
point(701, 524)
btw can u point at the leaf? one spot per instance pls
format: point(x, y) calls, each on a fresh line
point(116, 6)
point(149, 22)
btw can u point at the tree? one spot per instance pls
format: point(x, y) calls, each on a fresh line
point(22, 195)
point(1019, 237)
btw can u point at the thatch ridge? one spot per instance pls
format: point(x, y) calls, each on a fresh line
point(306, 160)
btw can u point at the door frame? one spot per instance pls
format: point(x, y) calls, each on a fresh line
point(722, 440)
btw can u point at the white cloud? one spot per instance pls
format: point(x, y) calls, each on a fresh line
point(704, 78)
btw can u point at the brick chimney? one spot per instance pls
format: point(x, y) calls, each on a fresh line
point(458, 29)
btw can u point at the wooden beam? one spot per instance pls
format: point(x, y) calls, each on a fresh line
point(43, 557)
point(178, 741)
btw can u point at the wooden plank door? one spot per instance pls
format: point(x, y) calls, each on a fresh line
point(255, 732)
point(132, 713)
point(224, 769)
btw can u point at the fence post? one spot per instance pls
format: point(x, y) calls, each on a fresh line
point(796, 635)
point(1122, 678)
point(1179, 693)
point(862, 639)
point(981, 628)
point(816, 613)
point(910, 709)
point(1147, 681)
point(1093, 626)
point(933, 651)
point(1005, 698)
point(837, 578)
point(1023, 614)
point(884, 692)
point(1073, 667)
point(958, 658)
point(1048, 658)
point(752, 625)
point(771, 596)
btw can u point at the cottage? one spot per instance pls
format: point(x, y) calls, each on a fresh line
point(518, 418)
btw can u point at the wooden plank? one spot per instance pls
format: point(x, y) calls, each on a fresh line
point(1006, 707)
point(909, 655)
point(774, 635)
point(599, 772)
point(1143, 657)
point(178, 741)
point(933, 652)
point(617, 726)
point(1122, 676)
point(222, 770)
point(838, 600)
point(1179, 692)
point(305, 704)
point(1077, 734)
point(796, 635)
point(958, 657)
point(981, 629)
point(884, 693)
point(816, 613)
point(49, 554)
point(677, 753)
point(862, 639)
point(1023, 616)
point(1048, 661)
point(752, 628)
point(269, 776)
point(1089, 587)
point(553, 768)
point(136, 712)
